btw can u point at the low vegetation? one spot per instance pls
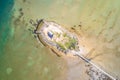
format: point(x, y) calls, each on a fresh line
point(69, 44)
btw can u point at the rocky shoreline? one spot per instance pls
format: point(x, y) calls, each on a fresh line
point(96, 74)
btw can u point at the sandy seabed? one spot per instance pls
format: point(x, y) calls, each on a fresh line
point(95, 22)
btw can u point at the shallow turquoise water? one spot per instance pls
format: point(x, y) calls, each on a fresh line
point(5, 16)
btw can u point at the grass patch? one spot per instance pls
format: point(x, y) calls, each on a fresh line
point(71, 43)
point(62, 46)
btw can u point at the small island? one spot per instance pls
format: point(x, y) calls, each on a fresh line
point(54, 36)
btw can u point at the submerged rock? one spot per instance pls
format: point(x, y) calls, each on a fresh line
point(9, 70)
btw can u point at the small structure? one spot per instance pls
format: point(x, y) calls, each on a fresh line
point(50, 34)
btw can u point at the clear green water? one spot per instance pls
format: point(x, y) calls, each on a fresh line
point(5, 7)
